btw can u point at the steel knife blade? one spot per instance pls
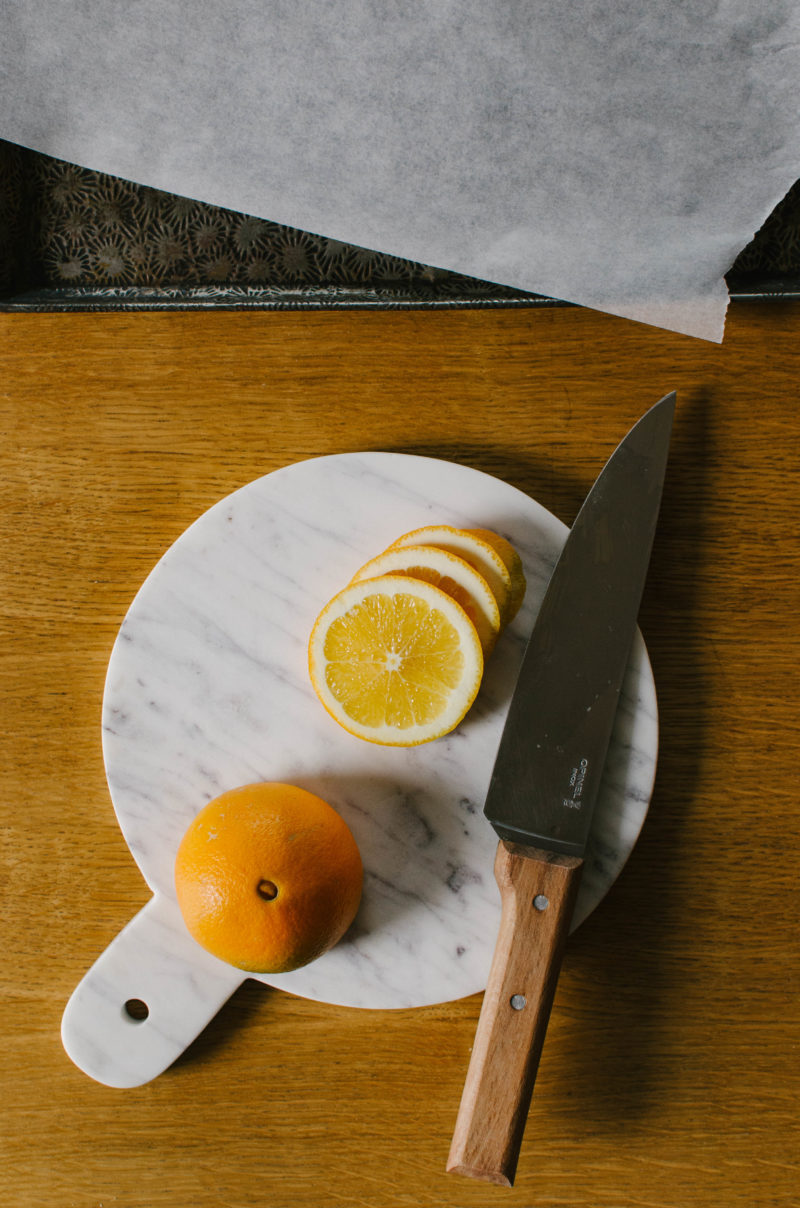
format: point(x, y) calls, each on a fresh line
point(545, 782)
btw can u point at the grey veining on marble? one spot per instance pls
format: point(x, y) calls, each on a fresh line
point(207, 689)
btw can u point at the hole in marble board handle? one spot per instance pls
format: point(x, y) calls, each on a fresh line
point(136, 1010)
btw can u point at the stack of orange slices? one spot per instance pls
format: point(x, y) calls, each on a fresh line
point(397, 656)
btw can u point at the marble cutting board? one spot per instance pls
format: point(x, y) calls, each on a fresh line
point(207, 689)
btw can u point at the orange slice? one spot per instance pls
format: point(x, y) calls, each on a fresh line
point(395, 660)
point(449, 572)
point(473, 548)
point(513, 564)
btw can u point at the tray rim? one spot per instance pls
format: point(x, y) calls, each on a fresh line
point(62, 299)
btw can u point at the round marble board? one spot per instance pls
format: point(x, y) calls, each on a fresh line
point(208, 689)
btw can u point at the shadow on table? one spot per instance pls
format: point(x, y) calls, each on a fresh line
point(232, 1020)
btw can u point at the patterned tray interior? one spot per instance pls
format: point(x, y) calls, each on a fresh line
point(70, 233)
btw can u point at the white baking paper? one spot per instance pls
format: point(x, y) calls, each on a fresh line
point(613, 153)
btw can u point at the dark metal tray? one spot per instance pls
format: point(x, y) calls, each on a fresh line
point(73, 239)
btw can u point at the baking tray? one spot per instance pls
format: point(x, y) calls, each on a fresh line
point(72, 239)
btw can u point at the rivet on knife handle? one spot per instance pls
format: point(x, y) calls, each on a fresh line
point(538, 891)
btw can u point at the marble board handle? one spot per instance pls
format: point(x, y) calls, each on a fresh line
point(145, 999)
point(537, 891)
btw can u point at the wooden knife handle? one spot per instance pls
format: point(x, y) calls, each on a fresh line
point(537, 890)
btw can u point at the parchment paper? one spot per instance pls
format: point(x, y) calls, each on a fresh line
point(613, 153)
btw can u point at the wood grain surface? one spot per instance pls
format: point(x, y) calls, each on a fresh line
point(669, 1078)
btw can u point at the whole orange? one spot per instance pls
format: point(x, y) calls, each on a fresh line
point(268, 877)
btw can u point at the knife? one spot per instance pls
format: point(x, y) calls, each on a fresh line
point(545, 783)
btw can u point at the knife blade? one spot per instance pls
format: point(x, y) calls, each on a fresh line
point(545, 782)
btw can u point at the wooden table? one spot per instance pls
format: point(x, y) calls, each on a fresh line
point(670, 1073)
